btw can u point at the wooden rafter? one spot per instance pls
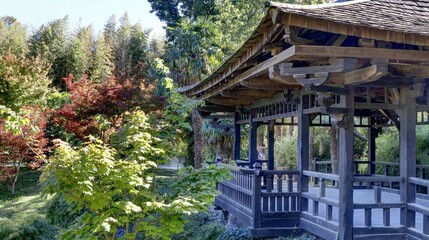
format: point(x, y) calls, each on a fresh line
point(263, 84)
point(229, 101)
point(248, 93)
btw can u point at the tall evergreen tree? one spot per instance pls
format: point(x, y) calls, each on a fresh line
point(80, 52)
point(13, 36)
point(100, 66)
point(50, 42)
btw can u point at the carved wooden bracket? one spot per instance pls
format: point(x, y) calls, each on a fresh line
point(291, 97)
point(341, 120)
point(325, 99)
point(367, 74)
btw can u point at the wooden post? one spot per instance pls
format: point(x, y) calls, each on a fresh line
point(253, 152)
point(303, 153)
point(345, 169)
point(407, 154)
point(237, 137)
point(256, 197)
point(271, 145)
point(372, 135)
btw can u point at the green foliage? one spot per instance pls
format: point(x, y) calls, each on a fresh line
point(285, 151)
point(50, 43)
point(23, 81)
point(193, 51)
point(79, 53)
point(60, 213)
point(235, 234)
point(115, 185)
point(22, 216)
point(199, 184)
point(13, 37)
point(388, 146)
point(198, 227)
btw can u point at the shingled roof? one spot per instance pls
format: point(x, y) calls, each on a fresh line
point(400, 21)
point(409, 16)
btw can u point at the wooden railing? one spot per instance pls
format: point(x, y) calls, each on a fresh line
point(422, 231)
point(370, 206)
point(262, 196)
point(321, 201)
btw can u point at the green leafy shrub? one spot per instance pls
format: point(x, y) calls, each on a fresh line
point(60, 212)
point(285, 151)
point(235, 234)
point(198, 227)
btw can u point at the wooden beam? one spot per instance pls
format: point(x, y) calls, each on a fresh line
point(274, 74)
point(216, 117)
point(215, 108)
point(291, 36)
point(319, 79)
point(345, 199)
point(407, 155)
point(335, 65)
point(263, 83)
point(367, 74)
point(229, 101)
point(360, 52)
point(413, 70)
point(303, 152)
point(248, 93)
point(237, 137)
point(251, 73)
point(392, 117)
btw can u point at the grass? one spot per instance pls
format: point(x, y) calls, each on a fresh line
point(23, 216)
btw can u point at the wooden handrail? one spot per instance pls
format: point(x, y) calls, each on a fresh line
point(419, 181)
point(377, 178)
point(321, 175)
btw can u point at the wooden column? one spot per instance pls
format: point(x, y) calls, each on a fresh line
point(407, 154)
point(345, 169)
point(372, 135)
point(253, 152)
point(237, 137)
point(271, 140)
point(303, 153)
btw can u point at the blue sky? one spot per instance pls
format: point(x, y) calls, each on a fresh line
point(34, 13)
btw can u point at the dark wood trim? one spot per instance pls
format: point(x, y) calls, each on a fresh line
point(237, 136)
point(346, 139)
point(407, 154)
point(303, 151)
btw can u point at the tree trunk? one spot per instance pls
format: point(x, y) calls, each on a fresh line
point(15, 179)
point(197, 122)
point(261, 136)
point(333, 136)
point(223, 151)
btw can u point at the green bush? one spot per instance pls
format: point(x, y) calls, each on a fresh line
point(235, 234)
point(60, 212)
point(199, 227)
point(286, 151)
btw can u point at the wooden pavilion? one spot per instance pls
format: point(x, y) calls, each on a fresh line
point(362, 63)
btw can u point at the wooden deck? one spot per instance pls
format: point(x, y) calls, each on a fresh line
point(280, 209)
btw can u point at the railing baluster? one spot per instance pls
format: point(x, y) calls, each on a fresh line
point(426, 224)
point(315, 208)
point(386, 217)
point(322, 188)
point(279, 189)
point(377, 194)
point(368, 217)
point(329, 209)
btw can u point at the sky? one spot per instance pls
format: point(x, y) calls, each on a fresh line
point(34, 13)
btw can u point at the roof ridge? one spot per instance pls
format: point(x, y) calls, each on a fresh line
point(316, 6)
